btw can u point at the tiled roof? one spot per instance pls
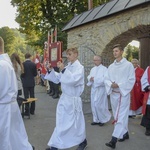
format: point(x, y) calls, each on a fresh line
point(102, 11)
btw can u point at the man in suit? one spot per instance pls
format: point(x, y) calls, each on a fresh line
point(28, 81)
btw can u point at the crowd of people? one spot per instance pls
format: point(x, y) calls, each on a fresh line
point(125, 83)
point(53, 89)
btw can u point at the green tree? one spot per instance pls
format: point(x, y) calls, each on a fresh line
point(99, 2)
point(9, 37)
point(131, 52)
point(16, 42)
point(36, 18)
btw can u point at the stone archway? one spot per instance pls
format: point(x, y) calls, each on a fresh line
point(139, 33)
point(101, 34)
point(121, 28)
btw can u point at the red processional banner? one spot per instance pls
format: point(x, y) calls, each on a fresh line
point(55, 53)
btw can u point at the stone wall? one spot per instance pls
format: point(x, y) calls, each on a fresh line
point(102, 34)
point(99, 36)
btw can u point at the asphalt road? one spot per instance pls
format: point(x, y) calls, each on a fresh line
point(40, 127)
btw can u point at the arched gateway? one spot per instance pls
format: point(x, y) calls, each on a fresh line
point(118, 21)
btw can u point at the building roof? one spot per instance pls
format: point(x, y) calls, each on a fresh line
point(102, 11)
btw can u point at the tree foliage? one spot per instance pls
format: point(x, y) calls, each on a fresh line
point(15, 42)
point(99, 2)
point(36, 18)
point(8, 37)
point(131, 52)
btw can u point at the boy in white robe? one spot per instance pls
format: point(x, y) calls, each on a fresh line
point(70, 123)
point(119, 82)
point(99, 99)
point(13, 135)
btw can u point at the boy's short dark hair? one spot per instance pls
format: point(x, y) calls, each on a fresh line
point(118, 46)
point(27, 55)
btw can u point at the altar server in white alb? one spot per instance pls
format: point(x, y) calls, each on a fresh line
point(70, 123)
point(99, 100)
point(119, 82)
point(12, 131)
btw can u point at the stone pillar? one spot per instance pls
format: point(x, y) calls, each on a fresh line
point(144, 51)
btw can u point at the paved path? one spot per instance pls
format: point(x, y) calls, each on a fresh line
point(40, 127)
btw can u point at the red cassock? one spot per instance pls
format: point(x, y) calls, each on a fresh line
point(38, 65)
point(43, 70)
point(136, 93)
point(146, 94)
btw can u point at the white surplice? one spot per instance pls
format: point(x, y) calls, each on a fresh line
point(12, 131)
point(99, 99)
point(70, 123)
point(123, 74)
point(145, 83)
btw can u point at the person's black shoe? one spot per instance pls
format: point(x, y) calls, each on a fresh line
point(48, 92)
point(147, 132)
point(111, 144)
point(26, 113)
point(133, 116)
point(33, 147)
point(32, 113)
point(94, 123)
point(51, 94)
point(52, 148)
point(101, 124)
point(82, 146)
point(55, 96)
point(125, 137)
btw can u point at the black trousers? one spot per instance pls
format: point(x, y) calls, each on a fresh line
point(54, 88)
point(146, 118)
point(51, 84)
point(29, 93)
